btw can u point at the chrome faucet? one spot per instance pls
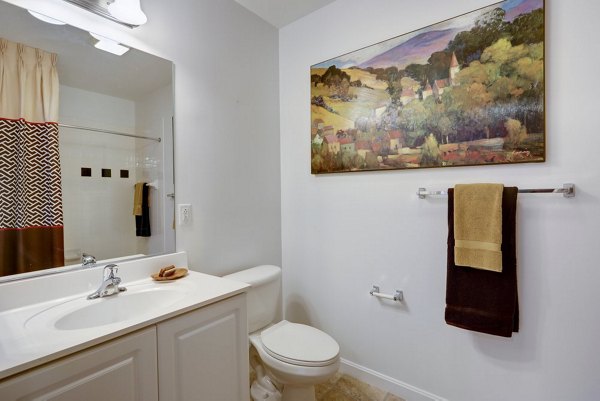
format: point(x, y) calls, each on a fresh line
point(110, 283)
point(88, 260)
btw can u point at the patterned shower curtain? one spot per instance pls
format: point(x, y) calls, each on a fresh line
point(31, 220)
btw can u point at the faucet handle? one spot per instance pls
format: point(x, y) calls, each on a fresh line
point(112, 270)
point(88, 260)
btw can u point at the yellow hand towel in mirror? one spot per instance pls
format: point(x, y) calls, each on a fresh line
point(137, 199)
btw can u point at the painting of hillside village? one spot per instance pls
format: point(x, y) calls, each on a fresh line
point(466, 91)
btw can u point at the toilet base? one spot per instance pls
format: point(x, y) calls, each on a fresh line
point(298, 393)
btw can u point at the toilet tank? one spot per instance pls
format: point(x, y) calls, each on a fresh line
point(263, 296)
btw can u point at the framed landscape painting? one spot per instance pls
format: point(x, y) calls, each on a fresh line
point(466, 91)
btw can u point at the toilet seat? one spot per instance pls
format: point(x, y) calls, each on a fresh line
point(299, 344)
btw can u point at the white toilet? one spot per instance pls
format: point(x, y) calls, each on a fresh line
point(295, 355)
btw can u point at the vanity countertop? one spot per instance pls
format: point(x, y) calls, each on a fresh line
point(27, 340)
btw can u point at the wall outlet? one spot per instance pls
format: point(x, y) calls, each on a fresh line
point(185, 214)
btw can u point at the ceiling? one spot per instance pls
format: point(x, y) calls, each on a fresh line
point(282, 12)
point(80, 65)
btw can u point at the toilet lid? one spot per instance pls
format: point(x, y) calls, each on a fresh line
point(299, 344)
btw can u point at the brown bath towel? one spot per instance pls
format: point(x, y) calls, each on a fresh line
point(142, 222)
point(481, 300)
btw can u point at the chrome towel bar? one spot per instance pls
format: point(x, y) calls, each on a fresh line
point(568, 191)
point(398, 297)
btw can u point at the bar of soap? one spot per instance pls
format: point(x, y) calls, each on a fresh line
point(171, 275)
point(164, 270)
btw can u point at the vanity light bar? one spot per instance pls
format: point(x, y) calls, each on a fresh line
point(99, 7)
point(45, 18)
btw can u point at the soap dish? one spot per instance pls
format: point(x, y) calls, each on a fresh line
point(179, 273)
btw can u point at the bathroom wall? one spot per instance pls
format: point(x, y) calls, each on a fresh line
point(226, 130)
point(226, 122)
point(343, 233)
point(96, 208)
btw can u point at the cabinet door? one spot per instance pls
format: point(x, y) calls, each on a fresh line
point(123, 369)
point(203, 355)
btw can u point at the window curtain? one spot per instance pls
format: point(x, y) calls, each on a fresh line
point(31, 220)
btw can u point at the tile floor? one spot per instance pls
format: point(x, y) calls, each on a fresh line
point(341, 387)
point(347, 388)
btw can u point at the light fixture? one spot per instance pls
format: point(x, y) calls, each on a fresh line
point(128, 11)
point(45, 18)
point(109, 45)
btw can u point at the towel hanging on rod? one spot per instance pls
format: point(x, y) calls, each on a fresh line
point(151, 184)
point(568, 191)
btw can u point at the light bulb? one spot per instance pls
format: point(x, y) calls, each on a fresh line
point(128, 11)
point(109, 45)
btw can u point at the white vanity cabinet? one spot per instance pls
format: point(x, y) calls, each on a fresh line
point(199, 355)
point(203, 355)
point(121, 369)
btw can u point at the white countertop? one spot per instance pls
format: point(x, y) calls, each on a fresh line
point(26, 342)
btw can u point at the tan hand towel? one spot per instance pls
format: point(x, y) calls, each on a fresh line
point(137, 199)
point(478, 226)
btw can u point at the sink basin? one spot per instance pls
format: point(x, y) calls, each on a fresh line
point(117, 308)
point(82, 313)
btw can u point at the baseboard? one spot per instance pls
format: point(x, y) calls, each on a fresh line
point(386, 383)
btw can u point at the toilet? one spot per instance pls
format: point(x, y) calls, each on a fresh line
point(295, 355)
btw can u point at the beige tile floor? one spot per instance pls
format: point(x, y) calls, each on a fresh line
point(346, 388)
point(340, 388)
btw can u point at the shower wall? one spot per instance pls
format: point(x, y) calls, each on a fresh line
point(153, 115)
point(97, 210)
point(99, 172)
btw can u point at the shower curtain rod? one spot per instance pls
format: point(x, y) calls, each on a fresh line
point(104, 131)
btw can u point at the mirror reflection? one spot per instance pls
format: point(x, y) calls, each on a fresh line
point(86, 148)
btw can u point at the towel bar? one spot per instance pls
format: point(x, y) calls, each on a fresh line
point(398, 297)
point(568, 191)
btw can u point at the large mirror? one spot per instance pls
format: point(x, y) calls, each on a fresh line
point(114, 194)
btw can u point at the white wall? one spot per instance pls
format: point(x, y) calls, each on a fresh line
point(226, 130)
point(344, 232)
point(226, 122)
point(96, 209)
